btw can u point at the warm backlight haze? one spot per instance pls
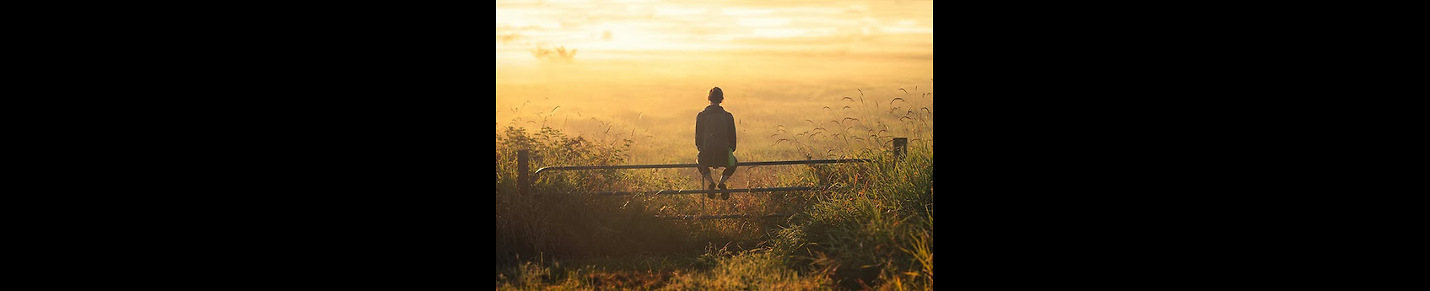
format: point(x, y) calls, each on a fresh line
point(640, 70)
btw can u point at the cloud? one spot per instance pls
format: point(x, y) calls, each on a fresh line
point(558, 54)
point(509, 37)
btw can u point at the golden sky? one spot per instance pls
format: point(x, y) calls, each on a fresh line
point(646, 65)
point(617, 29)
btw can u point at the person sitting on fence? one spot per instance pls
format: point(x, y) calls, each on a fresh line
point(715, 138)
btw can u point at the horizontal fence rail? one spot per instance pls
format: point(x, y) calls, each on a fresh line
point(726, 216)
point(663, 166)
point(524, 182)
point(674, 192)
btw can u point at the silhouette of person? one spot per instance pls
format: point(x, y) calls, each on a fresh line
point(715, 138)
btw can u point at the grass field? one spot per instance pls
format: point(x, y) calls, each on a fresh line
point(620, 82)
point(874, 231)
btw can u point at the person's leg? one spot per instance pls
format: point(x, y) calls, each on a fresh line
point(725, 175)
point(705, 176)
point(708, 177)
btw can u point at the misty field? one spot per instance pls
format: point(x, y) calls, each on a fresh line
point(620, 83)
point(872, 230)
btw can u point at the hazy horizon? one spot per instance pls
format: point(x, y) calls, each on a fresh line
point(645, 66)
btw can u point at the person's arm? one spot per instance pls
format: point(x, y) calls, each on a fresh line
point(732, 132)
point(698, 129)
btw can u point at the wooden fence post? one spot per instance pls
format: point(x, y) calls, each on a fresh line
point(900, 147)
point(521, 170)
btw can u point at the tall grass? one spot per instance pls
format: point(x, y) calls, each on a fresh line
point(876, 228)
point(547, 222)
point(873, 231)
point(560, 218)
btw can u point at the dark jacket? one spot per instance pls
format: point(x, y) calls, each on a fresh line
point(714, 131)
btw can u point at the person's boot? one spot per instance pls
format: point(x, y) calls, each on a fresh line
point(724, 195)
